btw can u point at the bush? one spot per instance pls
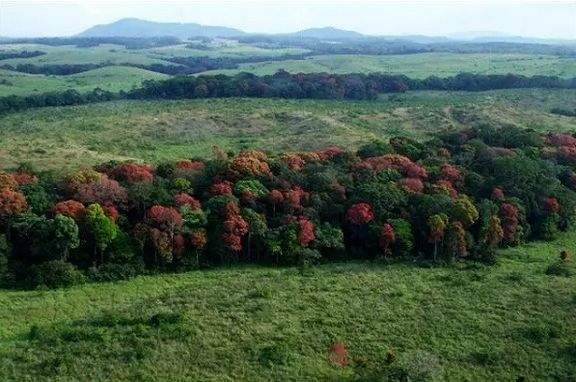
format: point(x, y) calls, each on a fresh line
point(114, 272)
point(423, 366)
point(55, 274)
point(560, 268)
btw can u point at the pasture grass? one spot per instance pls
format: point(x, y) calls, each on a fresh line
point(152, 131)
point(466, 322)
point(419, 65)
point(111, 78)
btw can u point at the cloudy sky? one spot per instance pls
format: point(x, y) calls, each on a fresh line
point(555, 19)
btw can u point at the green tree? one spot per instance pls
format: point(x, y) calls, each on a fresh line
point(101, 227)
point(65, 231)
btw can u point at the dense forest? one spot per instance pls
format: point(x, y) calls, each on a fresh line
point(286, 85)
point(458, 196)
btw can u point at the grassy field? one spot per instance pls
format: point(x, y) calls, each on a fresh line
point(468, 322)
point(115, 76)
point(118, 55)
point(420, 65)
point(65, 137)
point(111, 78)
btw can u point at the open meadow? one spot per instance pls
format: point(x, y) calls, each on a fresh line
point(467, 322)
point(68, 137)
point(420, 65)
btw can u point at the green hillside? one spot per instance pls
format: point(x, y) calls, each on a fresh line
point(112, 78)
point(420, 65)
point(159, 130)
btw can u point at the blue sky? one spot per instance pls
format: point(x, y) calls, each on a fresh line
point(533, 19)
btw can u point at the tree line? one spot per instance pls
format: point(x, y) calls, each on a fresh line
point(286, 85)
point(459, 196)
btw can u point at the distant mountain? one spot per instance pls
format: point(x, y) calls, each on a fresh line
point(132, 27)
point(326, 33)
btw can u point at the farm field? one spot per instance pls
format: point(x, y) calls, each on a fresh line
point(467, 322)
point(420, 65)
point(152, 131)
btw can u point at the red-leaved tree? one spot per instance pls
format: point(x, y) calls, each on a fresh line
point(70, 208)
point(360, 213)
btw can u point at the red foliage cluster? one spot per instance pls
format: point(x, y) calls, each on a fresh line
point(7, 181)
point(360, 213)
point(294, 197)
point(306, 233)
point(276, 197)
point(497, 194)
point(165, 218)
point(510, 221)
point(452, 174)
point(111, 212)
point(411, 185)
point(337, 354)
point(396, 162)
point(387, 237)
point(222, 188)
point(187, 168)
point(11, 202)
point(250, 163)
point(330, 153)
point(294, 162)
point(234, 227)
point(132, 172)
point(561, 140)
point(70, 208)
point(186, 164)
point(103, 191)
point(25, 178)
point(184, 199)
point(198, 239)
point(552, 205)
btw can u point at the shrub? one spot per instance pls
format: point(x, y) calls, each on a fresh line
point(114, 272)
point(164, 318)
point(560, 268)
point(55, 274)
point(422, 366)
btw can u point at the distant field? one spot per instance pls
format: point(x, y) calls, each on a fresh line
point(115, 76)
point(469, 322)
point(65, 137)
point(118, 55)
point(111, 78)
point(420, 65)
